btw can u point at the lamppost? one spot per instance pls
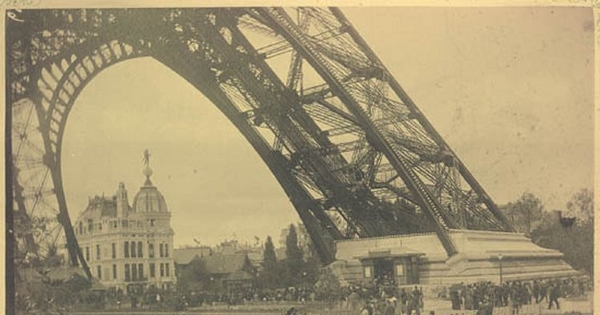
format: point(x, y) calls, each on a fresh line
point(304, 280)
point(500, 261)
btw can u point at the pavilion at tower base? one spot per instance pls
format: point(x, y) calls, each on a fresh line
point(421, 259)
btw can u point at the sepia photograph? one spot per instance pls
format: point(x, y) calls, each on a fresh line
point(372, 160)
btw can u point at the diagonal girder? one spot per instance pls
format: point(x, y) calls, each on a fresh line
point(288, 29)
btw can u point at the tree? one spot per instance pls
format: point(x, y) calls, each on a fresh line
point(294, 256)
point(193, 277)
point(269, 257)
point(311, 257)
point(306, 244)
point(328, 286)
point(581, 206)
point(270, 276)
point(52, 258)
point(575, 242)
point(525, 213)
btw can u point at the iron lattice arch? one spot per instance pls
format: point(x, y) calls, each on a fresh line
point(354, 154)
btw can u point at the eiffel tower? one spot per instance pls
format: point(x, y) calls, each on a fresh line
point(352, 151)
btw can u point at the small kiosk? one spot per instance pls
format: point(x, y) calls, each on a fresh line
point(398, 264)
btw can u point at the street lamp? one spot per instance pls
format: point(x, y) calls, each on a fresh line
point(304, 280)
point(500, 261)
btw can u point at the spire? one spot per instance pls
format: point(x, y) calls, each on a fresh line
point(122, 201)
point(147, 171)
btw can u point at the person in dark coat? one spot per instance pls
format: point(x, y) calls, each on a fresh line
point(389, 308)
point(543, 291)
point(553, 293)
point(455, 298)
point(536, 291)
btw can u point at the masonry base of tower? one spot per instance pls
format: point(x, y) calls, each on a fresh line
point(421, 259)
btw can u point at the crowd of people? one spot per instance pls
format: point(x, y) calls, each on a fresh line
point(479, 297)
point(387, 298)
point(391, 301)
point(486, 295)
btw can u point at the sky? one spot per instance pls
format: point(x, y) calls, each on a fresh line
point(510, 89)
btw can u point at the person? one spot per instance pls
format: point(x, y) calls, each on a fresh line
point(536, 291)
point(553, 295)
point(416, 299)
point(371, 308)
point(514, 299)
point(455, 298)
point(291, 311)
point(412, 304)
point(353, 300)
point(389, 308)
point(133, 302)
point(486, 308)
point(365, 310)
point(401, 303)
point(543, 291)
point(421, 302)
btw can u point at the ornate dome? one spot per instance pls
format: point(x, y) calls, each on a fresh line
point(149, 199)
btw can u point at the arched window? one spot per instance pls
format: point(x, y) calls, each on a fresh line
point(126, 250)
point(140, 250)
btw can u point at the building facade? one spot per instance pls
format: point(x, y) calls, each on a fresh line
point(128, 248)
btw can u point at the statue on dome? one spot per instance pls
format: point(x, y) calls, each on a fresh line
point(146, 159)
point(147, 170)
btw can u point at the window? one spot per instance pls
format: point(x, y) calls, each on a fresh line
point(114, 271)
point(166, 250)
point(124, 223)
point(115, 224)
point(87, 253)
point(141, 271)
point(132, 249)
point(90, 225)
point(100, 226)
point(160, 250)
point(114, 251)
point(167, 270)
point(151, 222)
point(152, 270)
point(99, 272)
point(134, 272)
point(127, 274)
point(400, 270)
point(80, 227)
point(140, 250)
point(98, 251)
point(162, 270)
point(126, 250)
point(151, 250)
point(368, 271)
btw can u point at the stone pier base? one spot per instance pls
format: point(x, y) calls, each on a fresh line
point(482, 256)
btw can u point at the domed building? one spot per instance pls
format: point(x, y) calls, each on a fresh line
point(128, 247)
